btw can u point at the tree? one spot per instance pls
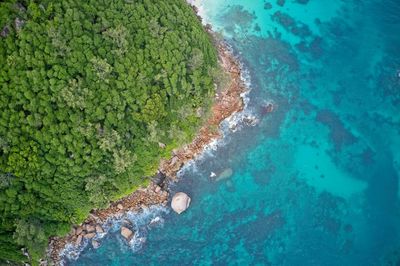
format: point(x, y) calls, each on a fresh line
point(87, 90)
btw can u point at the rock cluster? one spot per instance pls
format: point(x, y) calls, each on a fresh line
point(138, 200)
point(88, 230)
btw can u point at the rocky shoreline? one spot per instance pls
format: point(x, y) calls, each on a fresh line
point(227, 102)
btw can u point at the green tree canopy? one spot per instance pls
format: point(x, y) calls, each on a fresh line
point(88, 88)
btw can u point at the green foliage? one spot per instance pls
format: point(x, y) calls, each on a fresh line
point(88, 90)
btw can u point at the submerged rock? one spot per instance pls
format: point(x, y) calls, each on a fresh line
point(95, 244)
point(180, 202)
point(227, 173)
point(126, 232)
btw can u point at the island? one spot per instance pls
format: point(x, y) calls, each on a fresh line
point(96, 98)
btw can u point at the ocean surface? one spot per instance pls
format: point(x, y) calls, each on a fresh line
point(315, 182)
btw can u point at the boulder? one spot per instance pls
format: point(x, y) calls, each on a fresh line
point(157, 189)
point(165, 195)
point(126, 232)
point(174, 160)
point(90, 235)
point(180, 202)
point(99, 229)
point(90, 228)
point(78, 230)
point(78, 240)
point(95, 244)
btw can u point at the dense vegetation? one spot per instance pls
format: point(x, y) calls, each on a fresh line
point(89, 88)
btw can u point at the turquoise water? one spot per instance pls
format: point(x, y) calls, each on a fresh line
point(316, 182)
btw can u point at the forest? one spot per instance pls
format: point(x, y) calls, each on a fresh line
point(90, 90)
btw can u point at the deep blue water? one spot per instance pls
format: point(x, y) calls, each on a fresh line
point(316, 182)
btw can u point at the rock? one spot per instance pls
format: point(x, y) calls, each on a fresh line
point(19, 23)
point(120, 206)
point(157, 189)
point(174, 160)
point(78, 240)
point(90, 235)
point(180, 202)
point(99, 229)
point(164, 194)
point(162, 145)
point(250, 120)
point(224, 174)
point(90, 228)
point(95, 244)
point(159, 178)
point(4, 33)
point(78, 230)
point(155, 221)
point(126, 232)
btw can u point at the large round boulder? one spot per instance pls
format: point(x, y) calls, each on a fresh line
point(126, 232)
point(180, 202)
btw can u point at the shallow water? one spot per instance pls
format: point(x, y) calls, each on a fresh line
point(316, 182)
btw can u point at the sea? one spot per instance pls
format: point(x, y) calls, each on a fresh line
point(315, 181)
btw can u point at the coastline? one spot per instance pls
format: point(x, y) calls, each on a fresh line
point(227, 102)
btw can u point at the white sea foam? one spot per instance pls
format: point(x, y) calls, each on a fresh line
point(200, 7)
point(139, 222)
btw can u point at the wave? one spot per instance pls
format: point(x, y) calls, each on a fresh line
point(139, 222)
point(235, 122)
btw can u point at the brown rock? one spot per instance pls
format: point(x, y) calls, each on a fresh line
point(99, 229)
point(90, 235)
point(90, 228)
point(78, 240)
point(78, 230)
point(126, 232)
point(165, 194)
point(157, 189)
point(120, 206)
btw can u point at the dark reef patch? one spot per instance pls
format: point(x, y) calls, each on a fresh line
point(237, 16)
point(338, 132)
point(290, 24)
